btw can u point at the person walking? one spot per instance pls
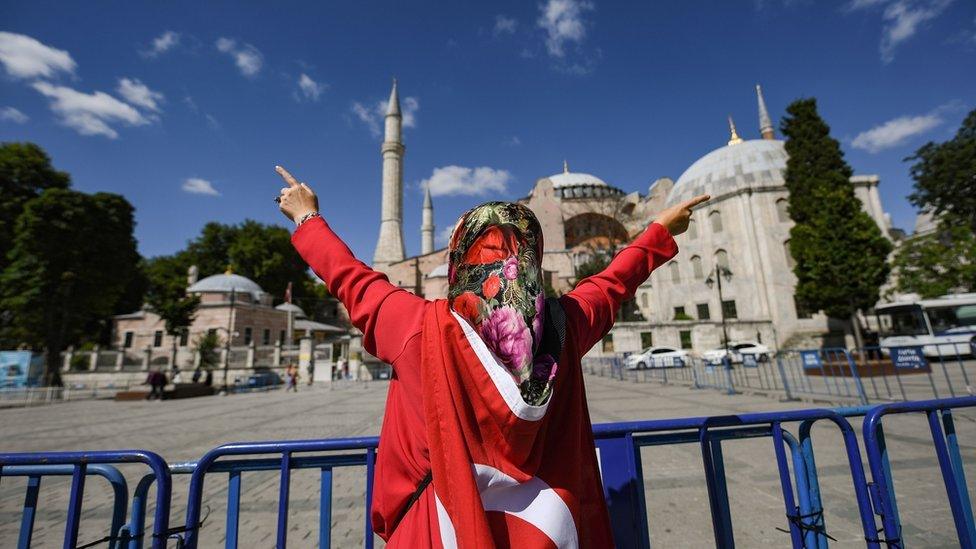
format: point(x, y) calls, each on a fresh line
point(486, 439)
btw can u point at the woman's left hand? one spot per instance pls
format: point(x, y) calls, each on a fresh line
point(297, 199)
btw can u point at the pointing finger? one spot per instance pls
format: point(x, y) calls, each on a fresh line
point(292, 182)
point(688, 204)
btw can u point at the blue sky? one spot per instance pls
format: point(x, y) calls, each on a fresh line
point(185, 107)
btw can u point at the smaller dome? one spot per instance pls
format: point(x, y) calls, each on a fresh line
point(225, 283)
point(292, 308)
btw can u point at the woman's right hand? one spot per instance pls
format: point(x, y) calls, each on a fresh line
point(297, 199)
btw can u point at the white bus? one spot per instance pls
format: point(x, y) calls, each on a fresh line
point(944, 326)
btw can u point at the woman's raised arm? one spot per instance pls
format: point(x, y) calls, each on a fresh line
point(592, 306)
point(387, 315)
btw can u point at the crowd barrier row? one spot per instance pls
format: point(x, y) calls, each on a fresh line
point(618, 446)
point(857, 376)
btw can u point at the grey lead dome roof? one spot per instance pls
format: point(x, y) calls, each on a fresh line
point(755, 163)
point(568, 179)
point(225, 283)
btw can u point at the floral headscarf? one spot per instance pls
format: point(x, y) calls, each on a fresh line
point(495, 283)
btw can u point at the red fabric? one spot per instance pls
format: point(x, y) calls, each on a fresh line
point(392, 322)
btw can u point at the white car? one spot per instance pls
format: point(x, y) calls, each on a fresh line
point(657, 357)
point(757, 350)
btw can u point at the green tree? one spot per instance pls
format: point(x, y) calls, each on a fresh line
point(840, 253)
point(945, 176)
point(73, 258)
point(166, 296)
point(938, 263)
point(260, 252)
point(25, 172)
point(206, 344)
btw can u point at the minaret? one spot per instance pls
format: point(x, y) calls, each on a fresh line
point(389, 247)
point(765, 124)
point(427, 225)
point(734, 139)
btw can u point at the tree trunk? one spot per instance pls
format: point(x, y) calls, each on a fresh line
point(52, 369)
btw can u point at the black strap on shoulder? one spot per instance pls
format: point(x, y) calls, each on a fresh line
point(419, 491)
point(554, 329)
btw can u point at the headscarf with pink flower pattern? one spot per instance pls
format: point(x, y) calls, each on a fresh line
point(495, 283)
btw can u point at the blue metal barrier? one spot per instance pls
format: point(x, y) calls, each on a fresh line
point(285, 463)
point(950, 465)
point(37, 465)
point(618, 446)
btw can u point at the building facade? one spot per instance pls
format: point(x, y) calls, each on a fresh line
point(744, 228)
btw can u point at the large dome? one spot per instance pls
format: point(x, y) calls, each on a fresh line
point(569, 179)
point(225, 283)
point(581, 185)
point(751, 164)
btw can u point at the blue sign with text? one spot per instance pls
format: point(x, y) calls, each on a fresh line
point(908, 358)
point(811, 360)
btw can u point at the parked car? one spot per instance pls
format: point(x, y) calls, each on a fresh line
point(264, 379)
point(759, 351)
point(657, 357)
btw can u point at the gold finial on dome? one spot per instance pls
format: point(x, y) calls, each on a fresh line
point(734, 139)
point(230, 270)
point(565, 166)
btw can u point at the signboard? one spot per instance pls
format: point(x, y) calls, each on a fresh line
point(811, 360)
point(20, 369)
point(910, 358)
point(749, 360)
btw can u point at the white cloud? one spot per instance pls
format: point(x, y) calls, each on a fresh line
point(505, 25)
point(137, 93)
point(895, 132)
point(25, 57)
point(196, 185)
point(443, 236)
point(459, 180)
point(212, 122)
point(311, 89)
point(10, 114)
point(372, 116)
point(247, 58)
point(90, 113)
point(162, 44)
point(513, 141)
point(902, 20)
point(563, 22)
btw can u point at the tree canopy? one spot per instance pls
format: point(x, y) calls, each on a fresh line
point(73, 258)
point(839, 251)
point(945, 176)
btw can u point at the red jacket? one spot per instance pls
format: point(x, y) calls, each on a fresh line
point(392, 321)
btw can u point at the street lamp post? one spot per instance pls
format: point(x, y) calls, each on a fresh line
point(230, 334)
point(715, 279)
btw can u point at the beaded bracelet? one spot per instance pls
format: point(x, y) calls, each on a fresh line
point(305, 218)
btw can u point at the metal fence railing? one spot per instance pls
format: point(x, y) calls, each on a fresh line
point(618, 446)
point(36, 396)
point(856, 376)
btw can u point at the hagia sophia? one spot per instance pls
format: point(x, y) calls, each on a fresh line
point(743, 228)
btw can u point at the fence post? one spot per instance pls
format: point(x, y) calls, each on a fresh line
point(69, 355)
point(146, 357)
point(782, 375)
point(249, 361)
point(276, 356)
point(728, 375)
point(857, 378)
point(120, 360)
point(93, 358)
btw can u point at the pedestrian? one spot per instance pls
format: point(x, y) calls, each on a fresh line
point(208, 378)
point(196, 375)
point(177, 375)
point(156, 381)
point(486, 439)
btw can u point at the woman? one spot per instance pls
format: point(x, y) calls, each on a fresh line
point(486, 439)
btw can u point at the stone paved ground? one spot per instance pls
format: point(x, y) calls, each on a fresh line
point(676, 496)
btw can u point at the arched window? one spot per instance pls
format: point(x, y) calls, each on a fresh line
point(790, 262)
point(644, 299)
point(722, 259)
point(696, 267)
point(675, 272)
point(715, 219)
point(692, 229)
point(782, 210)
